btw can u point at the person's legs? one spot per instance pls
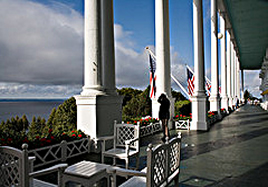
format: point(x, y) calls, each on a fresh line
point(166, 128)
point(163, 127)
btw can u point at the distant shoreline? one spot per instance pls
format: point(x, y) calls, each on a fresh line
point(32, 100)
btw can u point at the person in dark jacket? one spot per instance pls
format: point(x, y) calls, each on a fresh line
point(164, 114)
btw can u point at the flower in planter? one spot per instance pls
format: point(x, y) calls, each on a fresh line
point(182, 117)
point(143, 121)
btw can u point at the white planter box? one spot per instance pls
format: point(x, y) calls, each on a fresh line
point(150, 129)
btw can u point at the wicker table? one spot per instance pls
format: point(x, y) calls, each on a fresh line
point(86, 173)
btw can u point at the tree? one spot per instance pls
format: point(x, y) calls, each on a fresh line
point(66, 116)
point(128, 94)
point(138, 106)
point(177, 95)
point(51, 119)
point(25, 123)
point(247, 95)
point(182, 107)
point(33, 129)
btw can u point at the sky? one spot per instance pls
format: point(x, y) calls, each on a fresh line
point(41, 46)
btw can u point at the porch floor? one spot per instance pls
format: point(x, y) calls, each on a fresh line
point(234, 152)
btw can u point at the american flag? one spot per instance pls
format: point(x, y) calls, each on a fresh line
point(152, 77)
point(190, 81)
point(208, 87)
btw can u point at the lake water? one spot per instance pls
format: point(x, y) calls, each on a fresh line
point(41, 108)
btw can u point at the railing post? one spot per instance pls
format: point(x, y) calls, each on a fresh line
point(188, 123)
point(25, 166)
point(150, 160)
point(63, 146)
point(88, 144)
point(167, 166)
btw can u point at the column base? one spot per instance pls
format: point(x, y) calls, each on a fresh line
point(224, 103)
point(199, 113)
point(230, 103)
point(215, 104)
point(96, 114)
point(92, 91)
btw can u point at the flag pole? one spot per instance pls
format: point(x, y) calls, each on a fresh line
point(179, 84)
point(207, 79)
point(174, 79)
point(150, 52)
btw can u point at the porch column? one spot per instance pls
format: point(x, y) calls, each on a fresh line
point(228, 67)
point(162, 48)
point(108, 54)
point(232, 74)
point(242, 86)
point(92, 48)
point(199, 99)
point(214, 97)
point(98, 106)
point(224, 98)
point(238, 79)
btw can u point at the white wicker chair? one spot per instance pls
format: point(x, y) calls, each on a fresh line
point(16, 169)
point(125, 143)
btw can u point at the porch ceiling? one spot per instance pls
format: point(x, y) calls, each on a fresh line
point(248, 20)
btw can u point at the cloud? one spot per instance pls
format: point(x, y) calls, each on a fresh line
point(18, 90)
point(40, 44)
point(41, 51)
point(252, 82)
point(131, 66)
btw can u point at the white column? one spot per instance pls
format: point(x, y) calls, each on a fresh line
point(238, 79)
point(96, 109)
point(214, 97)
point(242, 86)
point(228, 67)
point(108, 56)
point(92, 48)
point(224, 98)
point(162, 47)
point(232, 74)
point(199, 108)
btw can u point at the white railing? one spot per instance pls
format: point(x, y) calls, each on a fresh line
point(182, 124)
point(60, 152)
point(150, 129)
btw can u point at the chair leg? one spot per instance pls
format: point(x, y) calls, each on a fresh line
point(176, 180)
point(114, 161)
point(102, 158)
point(137, 162)
point(127, 163)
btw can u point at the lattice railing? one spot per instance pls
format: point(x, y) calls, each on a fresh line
point(77, 147)
point(9, 171)
point(60, 152)
point(182, 124)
